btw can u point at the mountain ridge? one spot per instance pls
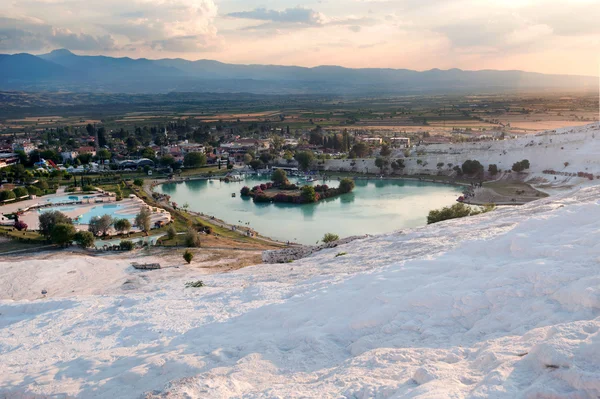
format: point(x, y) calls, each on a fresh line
point(62, 69)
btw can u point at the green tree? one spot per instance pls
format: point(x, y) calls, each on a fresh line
point(493, 169)
point(100, 224)
point(7, 195)
point(62, 234)
point(20, 192)
point(305, 159)
point(385, 151)
point(192, 238)
point(247, 159)
point(330, 237)
point(361, 150)
point(308, 194)
point(279, 176)
point(472, 167)
point(138, 182)
point(84, 239)
point(51, 218)
point(381, 163)
point(122, 226)
point(142, 220)
point(103, 154)
point(171, 233)
point(188, 256)
point(256, 164)
point(194, 160)
point(148, 153)
point(346, 185)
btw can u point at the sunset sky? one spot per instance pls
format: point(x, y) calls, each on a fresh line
point(534, 35)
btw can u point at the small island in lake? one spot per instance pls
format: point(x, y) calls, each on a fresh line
point(281, 190)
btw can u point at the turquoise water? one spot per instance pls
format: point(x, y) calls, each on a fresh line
point(67, 198)
point(375, 206)
point(98, 210)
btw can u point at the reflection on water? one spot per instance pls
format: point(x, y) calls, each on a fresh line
point(375, 206)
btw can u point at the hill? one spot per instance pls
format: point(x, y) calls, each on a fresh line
point(62, 69)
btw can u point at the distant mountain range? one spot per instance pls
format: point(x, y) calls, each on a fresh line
point(63, 70)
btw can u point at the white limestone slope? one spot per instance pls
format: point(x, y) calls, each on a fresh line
point(501, 305)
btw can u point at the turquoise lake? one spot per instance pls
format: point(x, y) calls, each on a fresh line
point(375, 206)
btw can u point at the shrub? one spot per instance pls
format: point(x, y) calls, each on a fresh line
point(245, 191)
point(472, 167)
point(138, 182)
point(126, 245)
point(493, 169)
point(457, 210)
point(63, 234)
point(194, 159)
point(521, 166)
point(192, 239)
point(171, 233)
point(188, 256)
point(308, 194)
point(340, 254)
point(84, 239)
point(20, 225)
point(20, 192)
point(330, 237)
point(7, 195)
point(33, 190)
point(346, 185)
point(194, 284)
point(42, 185)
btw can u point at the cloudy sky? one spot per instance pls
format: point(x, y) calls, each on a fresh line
point(536, 35)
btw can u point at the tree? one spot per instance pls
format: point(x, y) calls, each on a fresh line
point(171, 233)
point(52, 218)
point(521, 165)
point(126, 245)
point(385, 151)
point(138, 182)
point(472, 167)
point(84, 239)
point(493, 169)
point(20, 192)
point(247, 159)
point(279, 177)
point(440, 165)
point(167, 160)
point(122, 226)
point(330, 237)
point(100, 225)
point(62, 234)
point(148, 153)
point(103, 154)
point(192, 238)
point(381, 163)
point(308, 194)
point(142, 220)
point(188, 256)
point(194, 160)
point(361, 150)
point(346, 185)
point(256, 164)
point(7, 195)
point(305, 159)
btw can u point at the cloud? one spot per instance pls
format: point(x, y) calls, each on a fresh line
point(297, 15)
point(28, 35)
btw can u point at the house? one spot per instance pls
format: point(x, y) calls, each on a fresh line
point(69, 155)
point(7, 159)
point(403, 142)
point(87, 150)
point(24, 145)
point(372, 140)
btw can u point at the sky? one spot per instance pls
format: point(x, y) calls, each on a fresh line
point(547, 36)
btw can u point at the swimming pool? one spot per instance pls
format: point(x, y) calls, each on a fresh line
point(68, 198)
point(98, 210)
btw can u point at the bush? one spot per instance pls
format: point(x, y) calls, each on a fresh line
point(138, 182)
point(88, 187)
point(188, 256)
point(521, 166)
point(33, 190)
point(472, 167)
point(171, 233)
point(126, 245)
point(20, 192)
point(346, 185)
point(42, 185)
point(493, 169)
point(84, 239)
point(192, 239)
point(455, 211)
point(330, 237)
point(62, 234)
point(308, 194)
point(20, 225)
point(7, 195)
point(194, 284)
point(100, 224)
point(245, 191)
point(194, 159)
point(142, 220)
